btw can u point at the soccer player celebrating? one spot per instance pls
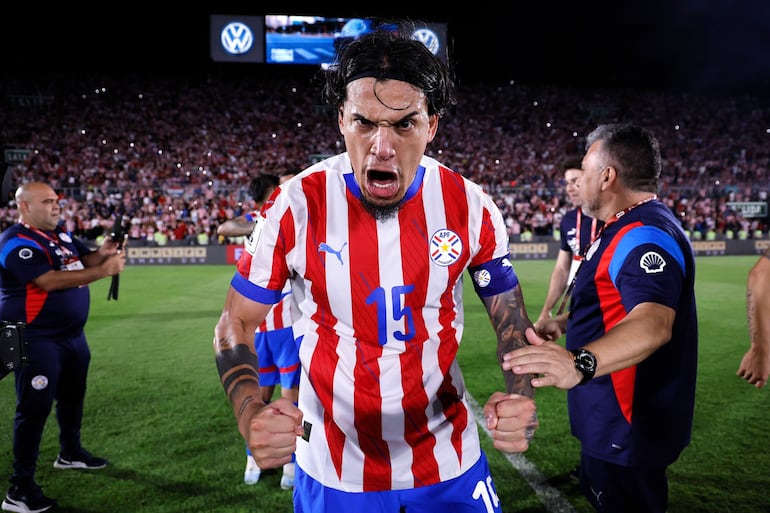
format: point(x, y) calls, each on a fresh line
point(375, 242)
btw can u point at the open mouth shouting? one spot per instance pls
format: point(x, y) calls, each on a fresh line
point(382, 187)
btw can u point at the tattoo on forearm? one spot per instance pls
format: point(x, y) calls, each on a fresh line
point(236, 365)
point(509, 320)
point(244, 404)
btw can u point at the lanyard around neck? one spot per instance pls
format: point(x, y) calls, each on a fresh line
point(578, 229)
point(568, 293)
point(53, 241)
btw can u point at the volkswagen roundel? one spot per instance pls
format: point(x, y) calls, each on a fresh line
point(237, 38)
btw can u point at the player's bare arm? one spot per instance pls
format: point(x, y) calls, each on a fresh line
point(755, 364)
point(509, 320)
point(235, 355)
point(511, 419)
point(236, 227)
point(556, 286)
point(269, 430)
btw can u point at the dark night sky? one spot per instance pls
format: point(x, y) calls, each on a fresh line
point(697, 45)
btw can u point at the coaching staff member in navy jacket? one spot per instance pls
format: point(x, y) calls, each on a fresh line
point(44, 273)
point(632, 331)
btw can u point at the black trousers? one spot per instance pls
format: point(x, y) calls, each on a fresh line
point(57, 372)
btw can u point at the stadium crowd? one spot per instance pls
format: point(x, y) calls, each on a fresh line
point(175, 154)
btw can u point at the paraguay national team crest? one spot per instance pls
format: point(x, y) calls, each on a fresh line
point(39, 382)
point(445, 247)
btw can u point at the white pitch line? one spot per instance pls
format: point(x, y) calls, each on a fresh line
point(550, 497)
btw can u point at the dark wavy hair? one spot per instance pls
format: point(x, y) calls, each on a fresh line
point(261, 186)
point(387, 55)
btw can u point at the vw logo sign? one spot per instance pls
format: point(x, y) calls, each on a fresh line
point(428, 38)
point(237, 38)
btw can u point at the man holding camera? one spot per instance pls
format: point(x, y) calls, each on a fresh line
point(44, 273)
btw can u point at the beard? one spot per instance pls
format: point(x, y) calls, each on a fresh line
point(591, 207)
point(381, 212)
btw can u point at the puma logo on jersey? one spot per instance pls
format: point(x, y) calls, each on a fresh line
point(328, 249)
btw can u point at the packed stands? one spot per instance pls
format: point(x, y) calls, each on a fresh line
point(175, 153)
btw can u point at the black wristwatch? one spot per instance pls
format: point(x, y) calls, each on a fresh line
point(585, 362)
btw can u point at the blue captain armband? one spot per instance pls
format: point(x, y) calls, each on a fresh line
point(494, 277)
point(254, 292)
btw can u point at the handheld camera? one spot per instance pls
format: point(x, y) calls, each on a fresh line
point(13, 347)
point(117, 234)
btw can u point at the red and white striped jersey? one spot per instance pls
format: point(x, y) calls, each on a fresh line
point(382, 394)
point(284, 313)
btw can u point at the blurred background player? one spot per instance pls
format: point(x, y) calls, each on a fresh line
point(274, 338)
point(577, 230)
